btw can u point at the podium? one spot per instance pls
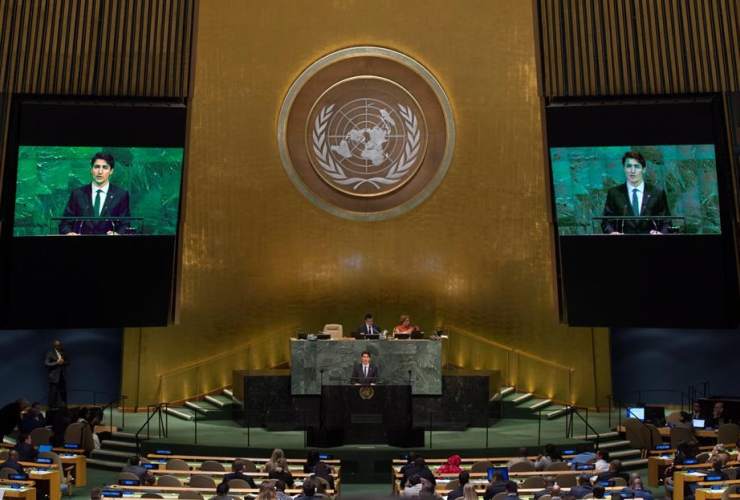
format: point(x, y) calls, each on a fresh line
point(369, 414)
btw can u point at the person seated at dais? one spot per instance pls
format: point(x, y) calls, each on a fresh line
point(405, 326)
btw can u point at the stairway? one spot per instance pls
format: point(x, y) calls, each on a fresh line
point(113, 452)
point(618, 449)
point(215, 407)
point(525, 405)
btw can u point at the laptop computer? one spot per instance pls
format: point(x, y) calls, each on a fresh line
point(416, 335)
point(323, 336)
point(44, 447)
point(401, 336)
point(698, 423)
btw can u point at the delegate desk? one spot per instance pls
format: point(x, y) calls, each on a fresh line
point(367, 414)
point(314, 363)
point(25, 492)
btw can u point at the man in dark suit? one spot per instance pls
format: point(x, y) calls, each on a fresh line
point(718, 416)
point(497, 486)
point(420, 468)
point(57, 362)
point(237, 472)
point(134, 467)
point(584, 486)
point(12, 462)
point(11, 416)
point(98, 199)
point(615, 470)
point(25, 449)
point(635, 198)
point(364, 373)
point(463, 478)
point(511, 491)
point(368, 327)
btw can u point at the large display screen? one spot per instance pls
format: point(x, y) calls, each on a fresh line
point(57, 189)
point(661, 189)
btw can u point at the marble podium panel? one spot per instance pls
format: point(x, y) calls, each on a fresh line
point(315, 363)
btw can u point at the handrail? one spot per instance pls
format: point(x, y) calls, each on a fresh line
point(574, 410)
point(512, 374)
point(157, 411)
point(117, 397)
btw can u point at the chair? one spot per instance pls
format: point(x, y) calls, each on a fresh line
point(4, 455)
point(588, 495)
point(144, 460)
point(673, 418)
point(728, 433)
point(193, 495)
point(654, 438)
point(546, 497)
point(533, 482)
point(636, 434)
point(202, 481)
point(730, 490)
point(731, 473)
point(80, 433)
point(453, 484)
point(481, 466)
point(249, 466)
point(702, 458)
point(557, 466)
point(126, 475)
point(522, 467)
point(566, 480)
point(66, 473)
point(238, 484)
point(6, 471)
point(679, 434)
point(323, 481)
point(335, 331)
point(40, 435)
point(619, 481)
point(151, 495)
point(167, 480)
point(176, 464)
point(212, 466)
point(500, 496)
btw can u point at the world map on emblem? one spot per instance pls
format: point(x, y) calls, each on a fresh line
point(366, 136)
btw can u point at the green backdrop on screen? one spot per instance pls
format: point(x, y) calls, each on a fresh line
point(47, 176)
point(583, 175)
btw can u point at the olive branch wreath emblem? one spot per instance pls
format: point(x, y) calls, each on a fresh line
point(396, 172)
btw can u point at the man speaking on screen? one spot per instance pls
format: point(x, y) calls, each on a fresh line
point(635, 198)
point(93, 208)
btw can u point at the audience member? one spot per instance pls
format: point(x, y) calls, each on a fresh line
point(281, 471)
point(469, 492)
point(10, 415)
point(549, 455)
point(718, 416)
point(463, 478)
point(271, 464)
point(522, 456)
point(311, 461)
point(321, 491)
point(267, 491)
point(59, 426)
point(413, 487)
point(452, 466)
point(96, 494)
point(410, 459)
point(584, 487)
point(419, 468)
point(222, 492)
point(511, 491)
point(638, 491)
point(685, 420)
point(599, 491)
point(324, 472)
point(615, 470)
point(237, 472)
point(134, 467)
point(698, 412)
point(602, 461)
point(280, 489)
point(33, 418)
point(497, 485)
point(428, 492)
point(25, 448)
point(549, 483)
point(309, 488)
point(12, 462)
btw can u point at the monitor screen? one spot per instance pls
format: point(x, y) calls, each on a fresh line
point(663, 447)
point(44, 447)
point(677, 190)
point(94, 190)
point(636, 412)
point(698, 423)
point(72, 446)
point(113, 493)
point(503, 470)
point(43, 460)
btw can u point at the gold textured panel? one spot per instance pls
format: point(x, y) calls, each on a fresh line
point(259, 259)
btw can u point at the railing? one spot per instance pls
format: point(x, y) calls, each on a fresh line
point(700, 390)
point(117, 398)
point(215, 373)
point(569, 427)
point(163, 424)
point(624, 400)
point(519, 369)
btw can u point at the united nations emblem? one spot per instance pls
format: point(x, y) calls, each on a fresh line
point(366, 133)
point(366, 392)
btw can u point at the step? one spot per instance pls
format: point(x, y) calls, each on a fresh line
point(635, 464)
point(540, 404)
point(624, 454)
point(601, 437)
point(228, 393)
point(116, 444)
point(505, 391)
point(613, 444)
point(557, 413)
point(111, 455)
point(96, 463)
point(129, 436)
point(201, 407)
point(180, 413)
point(521, 398)
point(219, 402)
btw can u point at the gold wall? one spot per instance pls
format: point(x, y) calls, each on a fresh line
point(259, 258)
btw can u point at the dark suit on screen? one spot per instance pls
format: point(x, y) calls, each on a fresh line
point(57, 378)
point(80, 204)
point(358, 375)
point(654, 202)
